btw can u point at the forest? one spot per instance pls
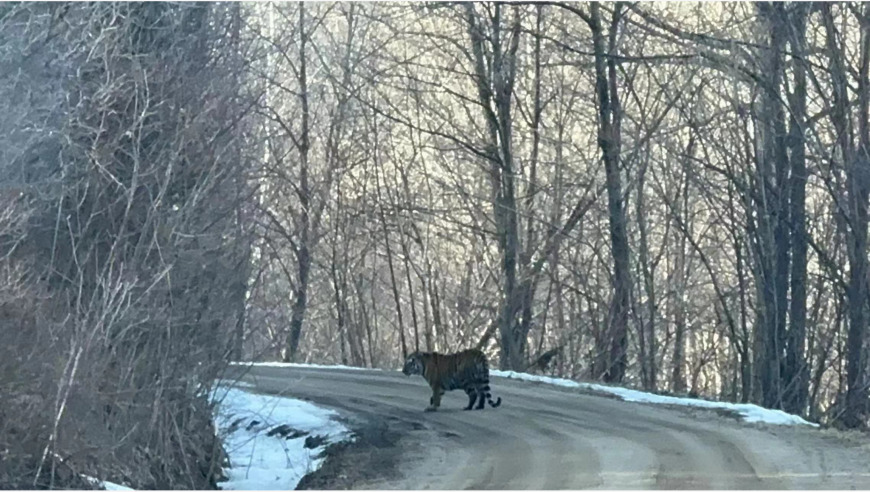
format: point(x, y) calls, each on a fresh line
point(666, 196)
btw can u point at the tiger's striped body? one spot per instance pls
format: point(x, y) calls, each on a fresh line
point(467, 370)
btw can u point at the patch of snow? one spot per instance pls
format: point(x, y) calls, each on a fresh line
point(104, 485)
point(114, 486)
point(265, 438)
point(229, 383)
point(299, 365)
point(749, 412)
point(201, 389)
point(535, 378)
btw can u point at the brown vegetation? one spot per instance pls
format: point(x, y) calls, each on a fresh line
point(672, 197)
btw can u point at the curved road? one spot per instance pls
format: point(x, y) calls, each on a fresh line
point(546, 437)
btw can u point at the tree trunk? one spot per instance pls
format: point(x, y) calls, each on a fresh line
point(297, 316)
point(495, 72)
point(614, 356)
point(743, 343)
point(857, 188)
point(339, 290)
point(646, 330)
point(796, 372)
point(303, 255)
point(773, 253)
point(412, 300)
point(393, 283)
point(678, 377)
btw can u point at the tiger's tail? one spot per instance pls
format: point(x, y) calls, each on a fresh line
point(488, 394)
point(485, 389)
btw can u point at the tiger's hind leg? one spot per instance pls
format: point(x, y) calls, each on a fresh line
point(472, 395)
point(481, 395)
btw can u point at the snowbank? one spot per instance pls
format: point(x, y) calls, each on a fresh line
point(296, 364)
point(228, 383)
point(272, 442)
point(104, 484)
point(535, 378)
point(749, 412)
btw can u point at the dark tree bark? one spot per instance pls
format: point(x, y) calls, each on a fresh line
point(303, 253)
point(393, 282)
point(678, 361)
point(339, 288)
point(796, 373)
point(856, 165)
point(495, 71)
point(741, 340)
point(647, 335)
point(612, 358)
point(773, 240)
point(530, 280)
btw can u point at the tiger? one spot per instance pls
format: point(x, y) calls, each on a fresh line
point(467, 370)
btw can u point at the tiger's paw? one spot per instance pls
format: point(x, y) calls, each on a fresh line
point(430, 409)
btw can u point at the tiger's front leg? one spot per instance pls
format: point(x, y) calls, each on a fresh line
point(435, 400)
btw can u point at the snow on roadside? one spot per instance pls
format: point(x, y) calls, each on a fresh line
point(104, 485)
point(114, 486)
point(567, 383)
point(749, 412)
point(300, 365)
point(228, 383)
point(271, 441)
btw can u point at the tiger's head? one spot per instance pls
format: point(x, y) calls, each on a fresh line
point(413, 364)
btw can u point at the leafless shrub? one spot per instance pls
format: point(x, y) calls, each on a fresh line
point(122, 252)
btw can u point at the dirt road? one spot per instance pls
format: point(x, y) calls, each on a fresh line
point(545, 437)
